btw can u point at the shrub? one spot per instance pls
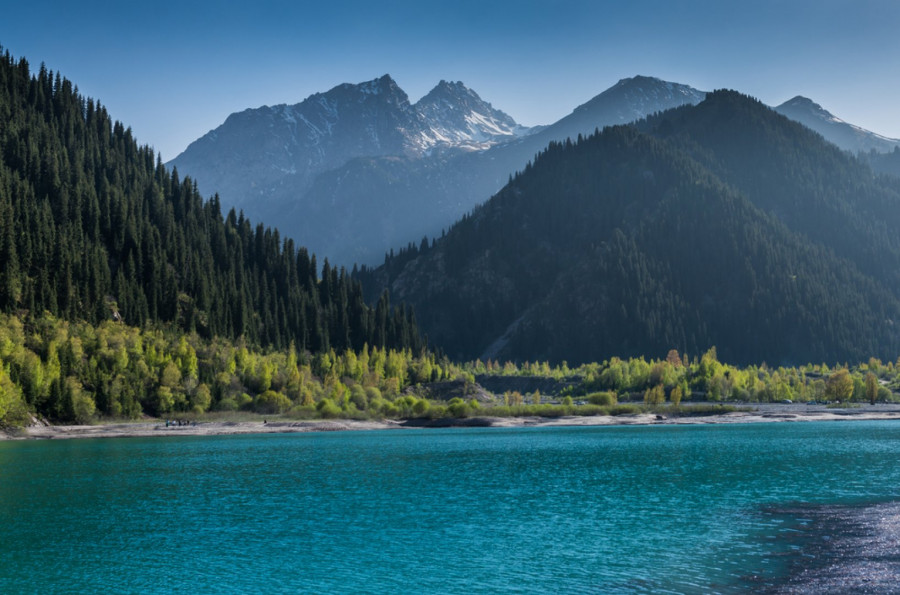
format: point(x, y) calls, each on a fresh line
point(624, 410)
point(358, 397)
point(271, 402)
point(327, 408)
point(604, 399)
point(302, 412)
point(421, 407)
point(591, 410)
point(227, 404)
point(373, 394)
point(376, 406)
point(244, 401)
point(456, 407)
point(437, 411)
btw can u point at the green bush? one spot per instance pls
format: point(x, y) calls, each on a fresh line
point(437, 412)
point(302, 412)
point(421, 407)
point(244, 402)
point(591, 410)
point(456, 407)
point(327, 408)
point(604, 399)
point(358, 397)
point(624, 410)
point(227, 404)
point(389, 410)
point(271, 402)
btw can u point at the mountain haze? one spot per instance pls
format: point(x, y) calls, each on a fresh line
point(843, 134)
point(717, 224)
point(351, 199)
point(258, 154)
point(627, 101)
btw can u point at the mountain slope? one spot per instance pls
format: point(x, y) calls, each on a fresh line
point(92, 226)
point(636, 242)
point(628, 100)
point(843, 134)
point(354, 204)
point(457, 117)
point(249, 156)
point(266, 153)
point(786, 170)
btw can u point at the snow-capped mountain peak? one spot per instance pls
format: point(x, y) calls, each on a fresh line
point(455, 115)
point(811, 108)
point(640, 95)
point(845, 135)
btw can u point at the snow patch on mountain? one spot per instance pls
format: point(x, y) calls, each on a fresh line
point(455, 115)
point(844, 134)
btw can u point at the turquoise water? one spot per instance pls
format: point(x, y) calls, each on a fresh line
point(563, 510)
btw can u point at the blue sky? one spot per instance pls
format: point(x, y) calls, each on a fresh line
point(175, 70)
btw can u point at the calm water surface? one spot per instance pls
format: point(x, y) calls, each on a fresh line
point(566, 510)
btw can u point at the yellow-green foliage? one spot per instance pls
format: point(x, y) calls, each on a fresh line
point(271, 402)
point(76, 372)
point(655, 395)
point(604, 399)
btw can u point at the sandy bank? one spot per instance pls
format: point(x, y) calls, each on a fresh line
point(768, 413)
point(210, 428)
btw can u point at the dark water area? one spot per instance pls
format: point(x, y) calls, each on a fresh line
point(834, 549)
point(750, 508)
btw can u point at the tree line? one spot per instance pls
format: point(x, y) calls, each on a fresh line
point(79, 372)
point(70, 372)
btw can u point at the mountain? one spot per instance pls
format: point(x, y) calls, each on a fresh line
point(843, 134)
point(262, 154)
point(628, 100)
point(721, 223)
point(350, 195)
point(456, 116)
point(93, 227)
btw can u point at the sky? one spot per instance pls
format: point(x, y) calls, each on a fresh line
point(174, 70)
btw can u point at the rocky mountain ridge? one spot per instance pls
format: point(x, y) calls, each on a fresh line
point(843, 134)
point(357, 170)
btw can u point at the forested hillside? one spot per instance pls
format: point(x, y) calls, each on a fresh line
point(787, 170)
point(886, 163)
point(718, 224)
point(94, 227)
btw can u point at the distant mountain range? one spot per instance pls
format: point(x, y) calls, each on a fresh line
point(354, 171)
point(261, 154)
point(721, 223)
point(359, 170)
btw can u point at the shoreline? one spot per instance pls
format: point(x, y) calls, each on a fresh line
point(762, 413)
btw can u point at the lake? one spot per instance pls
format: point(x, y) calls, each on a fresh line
point(717, 508)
